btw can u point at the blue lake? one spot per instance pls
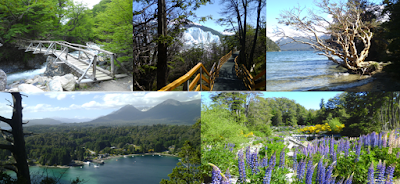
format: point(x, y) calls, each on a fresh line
point(139, 170)
point(306, 70)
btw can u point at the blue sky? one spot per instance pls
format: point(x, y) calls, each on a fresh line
point(214, 10)
point(310, 100)
point(86, 105)
point(274, 8)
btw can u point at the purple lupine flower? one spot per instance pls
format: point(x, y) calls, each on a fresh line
point(248, 156)
point(310, 172)
point(380, 172)
point(389, 173)
point(340, 181)
point(328, 174)
point(334, 157)
point(228, 174)
point(295, 160)
point(254, 162)
point(282, 158)
point(321, 172)
point(347, 148)
point(380, 140)
point(358, 151)
point(332, 146)
point(264, 162)
point(216, 174)
point(267, 177)
point(371, 174)
point(272, 161)
point(241, 166)
point(301, 170)
point(309, 164)
point(349, 180)
point(398, 154)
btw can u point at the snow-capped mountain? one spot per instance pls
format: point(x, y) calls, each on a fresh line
point(197, 36)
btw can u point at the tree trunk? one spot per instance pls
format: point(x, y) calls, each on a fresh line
point(19, 142)
point(162, 46)
point(256, 34)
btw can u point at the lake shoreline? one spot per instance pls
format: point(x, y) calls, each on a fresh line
point(381, 81)
point(98, 160)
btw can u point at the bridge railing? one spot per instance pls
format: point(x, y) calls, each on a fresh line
point(201, 82)
point(85, 56)
point(248, 79)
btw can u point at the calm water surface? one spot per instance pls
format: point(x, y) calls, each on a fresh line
point(139, 170)
point(306, 70)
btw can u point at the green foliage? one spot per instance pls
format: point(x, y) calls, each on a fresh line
point(114, 28)
point(272, 46)
point(218, 125)
point(334, 124)
point(220, 156)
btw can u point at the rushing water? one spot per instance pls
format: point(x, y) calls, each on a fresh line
point(306, 70)
point(23, 75)
point(139, 169)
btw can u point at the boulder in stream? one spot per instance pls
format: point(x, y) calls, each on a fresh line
point(28, 88)
point(55, 85)
point(3, 80)
point(68, 82)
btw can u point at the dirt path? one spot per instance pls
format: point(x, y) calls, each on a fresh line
point(122, 84)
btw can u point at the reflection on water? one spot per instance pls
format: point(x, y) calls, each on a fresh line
point(306, 70)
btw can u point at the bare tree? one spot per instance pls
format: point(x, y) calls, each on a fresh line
point(346, 29)
point(17, 143)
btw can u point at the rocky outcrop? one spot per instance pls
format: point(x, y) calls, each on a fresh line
point(45, 83)
point(3, 80)
point(28, 88)
point(55, 69)
point(54, 85)
point(12, 59)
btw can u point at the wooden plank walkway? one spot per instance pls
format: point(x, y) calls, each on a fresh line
point(79, 66)
point(227, 79)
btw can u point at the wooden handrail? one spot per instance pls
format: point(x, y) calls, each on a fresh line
point(210, 80)
point(249, 81)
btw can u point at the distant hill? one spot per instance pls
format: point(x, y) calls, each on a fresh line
point(272, 46)
point(45, 121)
point(286, 46)
point(167, 112)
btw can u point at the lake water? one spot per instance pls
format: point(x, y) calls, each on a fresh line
point(306, 70)
point(139, 170)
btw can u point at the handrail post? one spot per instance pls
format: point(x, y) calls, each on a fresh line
point(94, 67)
point(188, 83)
point(201, 86)
point(66, 54)
point(112, 65)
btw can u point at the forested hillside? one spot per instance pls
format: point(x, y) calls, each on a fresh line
point(272, 46)
point(59, 145)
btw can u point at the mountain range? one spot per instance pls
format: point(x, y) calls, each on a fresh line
point(285, 45)
point(168, 112)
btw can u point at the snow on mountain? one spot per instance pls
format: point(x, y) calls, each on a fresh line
point(196, 36)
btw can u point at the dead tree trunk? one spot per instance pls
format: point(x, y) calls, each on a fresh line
point(17, 141)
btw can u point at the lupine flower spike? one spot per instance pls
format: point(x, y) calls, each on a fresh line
point(216, 174)
point(371, 174)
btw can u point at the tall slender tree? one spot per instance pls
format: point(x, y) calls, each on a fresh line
point(17, 142)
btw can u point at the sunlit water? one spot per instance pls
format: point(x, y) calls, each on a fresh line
point(306, 70)
point(139, 169)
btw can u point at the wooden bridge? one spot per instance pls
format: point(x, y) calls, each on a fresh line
point(223, 76)
point(85, 63)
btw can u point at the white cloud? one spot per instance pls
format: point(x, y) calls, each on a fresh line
point(58, 96)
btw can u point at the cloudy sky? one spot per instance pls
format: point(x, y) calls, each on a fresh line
point(86, 105)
